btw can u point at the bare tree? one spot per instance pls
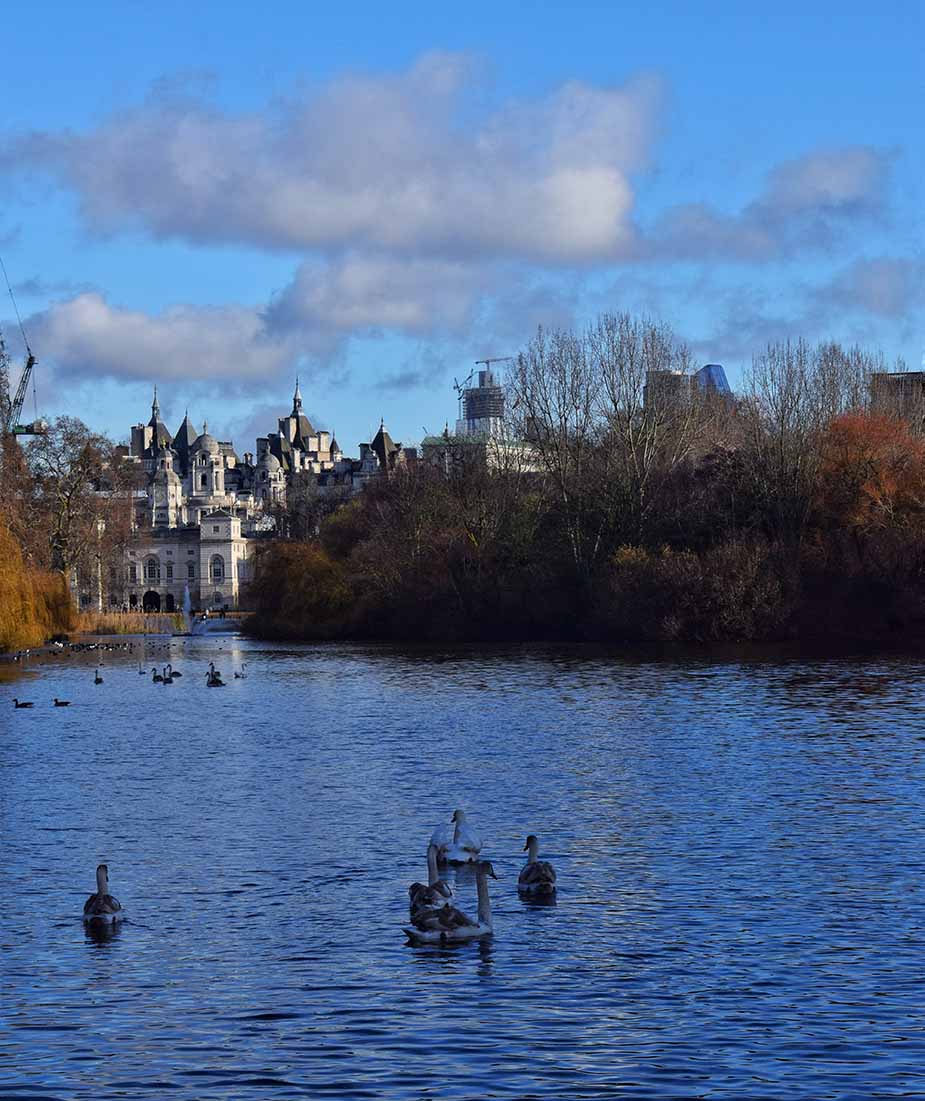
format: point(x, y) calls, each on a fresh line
point(653, 414)
point(78, 484)
point(793, 392)
point(556, 390)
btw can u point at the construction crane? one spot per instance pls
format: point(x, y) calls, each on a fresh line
point(11, 416)
point(493, 359)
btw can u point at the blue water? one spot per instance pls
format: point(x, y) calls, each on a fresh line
point(739, 849)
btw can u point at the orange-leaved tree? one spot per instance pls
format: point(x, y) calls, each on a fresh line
point(872, 474)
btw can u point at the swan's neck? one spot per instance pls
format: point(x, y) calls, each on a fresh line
point(533, 852)
point(481, 880)
point(432, 873)
point(102, 882)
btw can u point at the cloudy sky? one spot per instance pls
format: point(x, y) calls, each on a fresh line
point(216, 198)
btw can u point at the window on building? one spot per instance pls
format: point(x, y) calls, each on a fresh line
point(215, 528)
point(217, 568)
point(191, 570)
point(133, 573)
point(203, 480)
point(170, 571)
point(152, 569)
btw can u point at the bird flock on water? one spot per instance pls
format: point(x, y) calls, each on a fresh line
point(166, 675)
point(434, 916)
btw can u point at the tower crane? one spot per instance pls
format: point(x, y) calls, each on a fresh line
point(10, 417)
point(493, 359)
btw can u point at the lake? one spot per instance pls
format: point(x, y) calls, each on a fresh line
point(739, 847)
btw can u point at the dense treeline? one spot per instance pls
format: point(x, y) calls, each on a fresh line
point(788, 511)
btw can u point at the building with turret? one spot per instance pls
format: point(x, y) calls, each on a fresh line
point(203, 509)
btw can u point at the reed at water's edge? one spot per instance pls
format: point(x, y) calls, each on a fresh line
point(34, 604)
point(128, 623)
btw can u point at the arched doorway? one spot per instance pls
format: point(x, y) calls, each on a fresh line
point(169, 604)
point(151, 602)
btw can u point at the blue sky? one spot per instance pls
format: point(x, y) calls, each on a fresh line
point(216, 198)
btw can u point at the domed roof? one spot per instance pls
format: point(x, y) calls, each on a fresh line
point(205, 442)
point(268, 461)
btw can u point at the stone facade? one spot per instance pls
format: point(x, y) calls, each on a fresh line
point(209, 563)
point(198, 519)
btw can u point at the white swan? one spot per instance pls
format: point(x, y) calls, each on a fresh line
point(102, 906)
point(537, 877)
point(441, 839)
point(452, 925)
point(465, 846)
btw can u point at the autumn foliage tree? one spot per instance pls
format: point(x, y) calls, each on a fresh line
point(872, 474)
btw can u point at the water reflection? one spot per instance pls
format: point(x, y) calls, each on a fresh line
point(102, 932)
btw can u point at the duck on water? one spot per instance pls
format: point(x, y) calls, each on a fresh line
point(537, 878)
point(102, 906)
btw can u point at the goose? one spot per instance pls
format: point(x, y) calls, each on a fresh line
point(453, 926)
point(97, 679)
point(101, 906)
point(537, 877)
point(62, 703)
point(424, 901)
point(156, 677)
point(465, 846)
point(21, 703)
point(242, 674)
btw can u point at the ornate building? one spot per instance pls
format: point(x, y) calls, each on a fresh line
point(198, 519)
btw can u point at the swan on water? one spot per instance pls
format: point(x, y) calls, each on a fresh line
point(537, 877)
point(463, 847)
point(242, 674)
point(441, 839)
point(97, 679)
point(214, 678)
point(425, 900)
point(453, 926)
point(167, 678)
point(173, 672)
point(101, 906)
point(156, 677)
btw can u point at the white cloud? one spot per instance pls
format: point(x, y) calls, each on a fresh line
point(407, 163)
point(802, 205)
point(88, 336)
point(361, 294)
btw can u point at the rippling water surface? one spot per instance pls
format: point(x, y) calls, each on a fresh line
point(739, 848)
